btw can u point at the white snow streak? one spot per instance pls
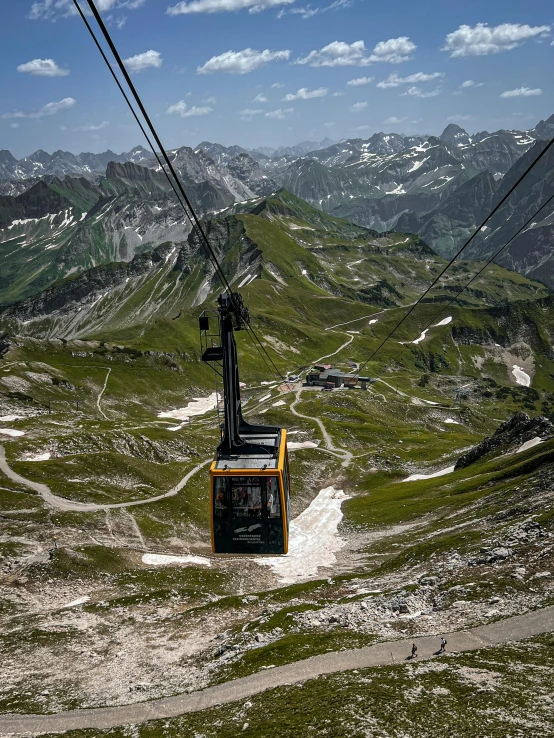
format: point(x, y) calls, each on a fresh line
point(11, 432)
point(444, 321)
point(416, 477)
point(75, 603)
point(529, 444)
point(421, 338)
point(313, 539)
point(521, 376)
point(164, 560)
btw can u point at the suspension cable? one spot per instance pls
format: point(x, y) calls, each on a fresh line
point(465, 245)
point(444, 308)
point(193, 218)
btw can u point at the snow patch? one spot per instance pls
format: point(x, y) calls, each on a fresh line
point(451, 420)
point(529, 444)
point(76, 603)
point(197, 406)
point(244, 281)
point(164, 560)
point(422, 337)
point(10, 418)
point(416, 477)
point(36, 457)
point(444, 321)
point(302, 444)
point(11, 432)
point(313, 539)
point(371, 322)
point(521, 377)
point(278, 403)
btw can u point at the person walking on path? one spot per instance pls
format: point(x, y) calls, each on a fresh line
point(443, 645)
point(414, 650)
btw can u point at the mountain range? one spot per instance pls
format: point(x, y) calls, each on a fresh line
point(69, 213)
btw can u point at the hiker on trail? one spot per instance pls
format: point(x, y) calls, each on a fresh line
point(414, 650)
point(443, 645)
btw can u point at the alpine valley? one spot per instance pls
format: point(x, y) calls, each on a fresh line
point(422, 498)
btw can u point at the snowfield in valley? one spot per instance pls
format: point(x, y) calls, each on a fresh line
point(313, 539)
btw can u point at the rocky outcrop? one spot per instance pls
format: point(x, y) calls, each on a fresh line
point(247, 169)
point(38, 201)
point(516, 431)
point(66, 294)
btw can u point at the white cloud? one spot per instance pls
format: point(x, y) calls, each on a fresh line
point(14, 125)
point(309, 12)
point(394, 51)
point(394, 120)
point(338, 94)
point(358, 106)
point(458, 118)
point(341, 54)
point(470, 83)
point(305, 94)
point(143, 61)
point(223, 6)
point(241, 62)
point(393, 80)
point(279, 113)
point(362, 128)
point(360, 81)
point(329, 124)
point(182, 109)
point(209, 100)
point(522, 92)
point(483, 39)
point(43, 68)
point(418, 92)
point(92, 127)
point(51, 108)
point(247, 113)
point(277, 85)
point(260, 98)
point(51, 9)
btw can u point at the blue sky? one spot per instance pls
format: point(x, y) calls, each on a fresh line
point(273, 72)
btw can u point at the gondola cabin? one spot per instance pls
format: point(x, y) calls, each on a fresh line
point(249, 479)
point(250, 500)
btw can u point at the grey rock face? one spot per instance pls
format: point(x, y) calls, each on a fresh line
point(246, 169)
point(517, 430)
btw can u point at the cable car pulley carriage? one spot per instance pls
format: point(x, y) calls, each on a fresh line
point(249, 478)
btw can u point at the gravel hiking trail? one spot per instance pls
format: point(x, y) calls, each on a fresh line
point(99, 398)
point(340, 453)
point(61, 503)
point(379, 654)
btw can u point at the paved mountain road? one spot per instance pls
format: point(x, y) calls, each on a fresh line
point(379, 654)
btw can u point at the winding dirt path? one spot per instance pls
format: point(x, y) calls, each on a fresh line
point(340, 453)
point(99, 398)
point(61, 503)
point(340, 348)
point(380, 654)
